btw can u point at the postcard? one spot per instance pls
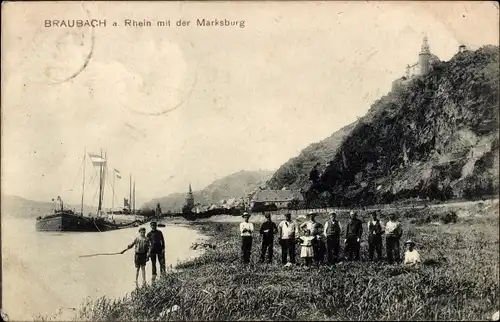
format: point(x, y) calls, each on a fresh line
point(250, 160)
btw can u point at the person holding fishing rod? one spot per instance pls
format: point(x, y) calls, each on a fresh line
point(142, 254)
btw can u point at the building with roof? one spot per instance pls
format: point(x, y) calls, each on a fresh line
point(280, 198)
point(462, 49)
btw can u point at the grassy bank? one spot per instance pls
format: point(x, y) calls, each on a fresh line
point(459, 281)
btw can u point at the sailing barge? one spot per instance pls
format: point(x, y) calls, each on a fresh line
point(67, 220)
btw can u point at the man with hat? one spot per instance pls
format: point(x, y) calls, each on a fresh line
point(412, 257)
point(375, 232)
point(246, 232)
point(157, 249)
point(332, 234)
point(315, 228)
point(267, 231)
point(354, 232)
point(288, 232)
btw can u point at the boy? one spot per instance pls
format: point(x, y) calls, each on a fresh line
point(142, 254)
point(157, 243)
point(412, 257)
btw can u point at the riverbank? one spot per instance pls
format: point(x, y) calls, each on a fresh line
point(44, 276)
point(458, 280)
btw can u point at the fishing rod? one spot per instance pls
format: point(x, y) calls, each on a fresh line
point(107, 254)
point(100, 254)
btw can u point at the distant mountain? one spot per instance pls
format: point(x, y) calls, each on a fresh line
point(433, 136)
point(236, 185)
point(19, 207)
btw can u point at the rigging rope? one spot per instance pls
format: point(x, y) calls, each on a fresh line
point(77, 175)
point(90, 182)
point(112, 189)
point(93, 220)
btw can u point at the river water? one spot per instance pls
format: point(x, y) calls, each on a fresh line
point(43, 273)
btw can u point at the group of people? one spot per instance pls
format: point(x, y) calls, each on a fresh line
point(148, 246)
point(316, 239)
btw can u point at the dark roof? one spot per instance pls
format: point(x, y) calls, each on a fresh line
point(276, 195)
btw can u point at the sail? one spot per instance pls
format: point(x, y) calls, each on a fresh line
point(97, 160)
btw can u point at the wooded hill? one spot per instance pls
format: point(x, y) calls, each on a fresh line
point(433, 136)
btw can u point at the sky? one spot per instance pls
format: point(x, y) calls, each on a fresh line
point(179, 105)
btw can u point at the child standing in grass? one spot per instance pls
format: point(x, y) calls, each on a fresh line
point(142, 254)
point(412, 257)
point(306, 247)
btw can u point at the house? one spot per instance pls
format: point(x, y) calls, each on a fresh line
point(281, 198)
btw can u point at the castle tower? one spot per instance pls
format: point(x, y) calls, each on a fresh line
point(424, 58)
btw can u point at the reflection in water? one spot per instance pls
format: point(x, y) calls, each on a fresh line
point(43, 273)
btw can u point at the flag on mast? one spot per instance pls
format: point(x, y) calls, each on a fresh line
point(118, 174)
point(97, 159)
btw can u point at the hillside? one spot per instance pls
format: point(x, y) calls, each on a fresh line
point(432, 137)
point(23, 208)
point(236, 185)
point(294, 174)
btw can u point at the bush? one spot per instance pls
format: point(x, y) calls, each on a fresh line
point(449, 217)
point(261, 207)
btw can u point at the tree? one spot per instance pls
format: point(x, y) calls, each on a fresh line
point(294, 204)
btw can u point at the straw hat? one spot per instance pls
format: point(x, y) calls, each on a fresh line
point(311, 214)
point(409, 242)
point(245, 214)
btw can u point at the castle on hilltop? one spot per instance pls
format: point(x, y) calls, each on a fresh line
point(426, 62)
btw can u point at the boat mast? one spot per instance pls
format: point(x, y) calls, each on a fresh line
point(133, 204)
point(113, 199)
point(100, 188)
point(104, 172)
point(130, 193)
point(83, 179)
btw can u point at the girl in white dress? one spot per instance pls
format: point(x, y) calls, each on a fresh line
point(306, 247)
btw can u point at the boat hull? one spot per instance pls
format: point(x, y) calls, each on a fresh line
point(74, 222)
point(65, 222)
